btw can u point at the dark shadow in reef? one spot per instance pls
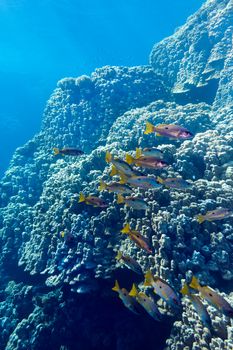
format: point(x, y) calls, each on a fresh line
point(101, 321)
point(205, 93)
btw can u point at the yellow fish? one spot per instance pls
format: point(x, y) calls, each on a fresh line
point(119, 166)
point(212, 215)
point(144, 182)
point(146, 162)
point(163, 289)
point(212, 297)
point(141, 241)
point(92, 200)
point(133, 202)
point(147, 303)
point(67, 151)
point(149, 152)
point(127, 300)
point(174, 182)
point(115, 187)
point(198, 306)
point(169, 130)
point(131, 263)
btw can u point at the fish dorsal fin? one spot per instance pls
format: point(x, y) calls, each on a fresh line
point(126, 229)
point(82, 198)
point(185, 290)
point(194, 283)
point(134, 291)
point(116, 288)
point(138, 153)
point(108, 157)
point(148, 278)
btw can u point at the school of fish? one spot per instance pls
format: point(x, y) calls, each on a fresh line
point(130, 178)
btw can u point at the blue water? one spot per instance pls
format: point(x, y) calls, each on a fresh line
point(44, 41)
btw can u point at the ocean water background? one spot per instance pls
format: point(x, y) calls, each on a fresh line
point(44, 41)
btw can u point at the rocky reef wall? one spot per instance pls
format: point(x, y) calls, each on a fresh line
point(45, 278)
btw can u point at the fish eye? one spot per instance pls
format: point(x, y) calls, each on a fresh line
point(210, 294)
point(144, 299)
point(166, 127)
point(133, 199)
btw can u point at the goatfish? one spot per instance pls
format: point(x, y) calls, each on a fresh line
point(141, 241)
point(212, 297)
point(92, 200)
point(119, 166)
point(212, 215)
point(198, 306)
point(68, 151)
point(115, 187)
point(146, 162)
point(133, 202)
point(169, 130)
point(175, 182)
point(149, 152)
point(163, 289)
point(131, 263)
point(127, 299)
point(146, 302)
point(144, 182)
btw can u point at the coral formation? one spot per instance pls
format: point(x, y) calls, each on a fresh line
point(188, 83)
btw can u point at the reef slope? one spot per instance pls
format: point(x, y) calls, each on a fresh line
point(45, 279)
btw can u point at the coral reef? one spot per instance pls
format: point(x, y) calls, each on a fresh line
point(48, 277)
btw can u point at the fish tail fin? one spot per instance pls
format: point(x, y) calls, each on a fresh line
point(102, 186)
point(194, 283)
point(126, 228)
point(138, 153)
point(120, 199)
point(134, 291)
point(148, 278)
point(185, 289)
point(82, 198)
point(129, 159)
point(108, 157)
point(116, 288)
point(200, 218)
point(160, 180)
point(119, 255)
point(62, 234)
point(123, 177)
point(113, 171)
point(149, 128)
point(56, 151)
